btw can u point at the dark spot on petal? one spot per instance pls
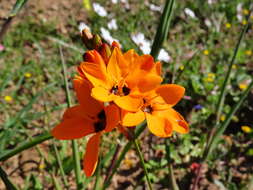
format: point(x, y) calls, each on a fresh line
point(101, 123)
point(126, 90)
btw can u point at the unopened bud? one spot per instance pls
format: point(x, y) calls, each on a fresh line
point(105, 52)
point(115, 44)
point(97, 42)
point(87, 38)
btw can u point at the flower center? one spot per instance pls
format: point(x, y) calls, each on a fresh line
point(120, 91)
point(147, 109)
point(101, 123)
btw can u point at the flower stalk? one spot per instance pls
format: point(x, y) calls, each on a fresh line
point(136, 144)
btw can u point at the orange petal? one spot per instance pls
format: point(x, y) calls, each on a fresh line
point(73, 128)
point(146, 62)
point(171, 93)
point(102, 94)
point(112, 117)
point(89, 104)
point(158, 125)
point(129, 103)
point(178, 122)
point(95, 71)
point(149, 82)
point(131, 56)
point(75, 111)
point(91, 155)
point(132, 118)
point(117, 66)
point(158, 68)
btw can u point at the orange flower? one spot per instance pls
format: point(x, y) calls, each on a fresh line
point(123, 79)
point(162, 119)
point(90, 117)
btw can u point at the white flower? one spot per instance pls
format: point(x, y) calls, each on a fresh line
point(83, 26)
point(239, 12)
point(164, 56)
point(189, 13)
point(208, 23)
point(112, 25)
point(144, 44)
point(114, 1)
point(107, 36)
point(155, 8)
point(99, 10)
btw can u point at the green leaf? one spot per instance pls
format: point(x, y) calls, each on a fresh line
point(17, 7)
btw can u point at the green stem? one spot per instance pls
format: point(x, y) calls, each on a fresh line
point(73, 142)
point(227, 77)
point(23, 146)
point(8, 184)
point(142, 162)
point(163, 28)
point(173, 181)
point(58, 159)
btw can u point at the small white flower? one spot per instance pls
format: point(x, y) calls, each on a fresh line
point(211, 2)
point(155, 8)
point(107, 36)
point(114, 1)
point(112, 25)
point(83, 26)
point(208, 23)
point(126, 4)
point(164, 56)
point(189, 13)
point(144, 44)
point(99, 10)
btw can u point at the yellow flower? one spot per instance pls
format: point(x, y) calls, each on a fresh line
point(181, 67)
point(245, 11)
point(228, 25)
point(41, 166)
point(246, 129)
point(28, 75)
point(248, 52)
point(244, 22)
point(206, 52)
point(8, 99)
point(222, 117)
point(242, 86)
point(211, 75)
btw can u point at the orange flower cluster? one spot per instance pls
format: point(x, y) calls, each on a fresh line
point(116, 89)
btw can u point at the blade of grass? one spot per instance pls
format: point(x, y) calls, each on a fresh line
point(225, 124)
point(73, 142)
point(23, 146)
point(173, 182)
point(136, 144)
point(216, 136)
point(227, 77)
point(16, 8)
point(58, 159)
point(8, 184)
point(23, 111)
point(163, 28)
